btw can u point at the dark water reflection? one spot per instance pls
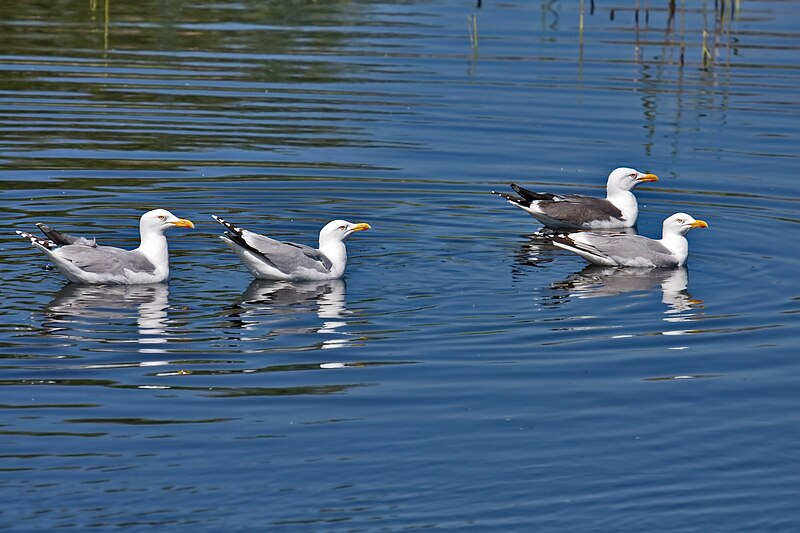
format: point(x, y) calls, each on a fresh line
point(463, 375)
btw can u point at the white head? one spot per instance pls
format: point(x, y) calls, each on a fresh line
point(681, 223)
point(160, 220)
point(625, 179)
point(339, 230)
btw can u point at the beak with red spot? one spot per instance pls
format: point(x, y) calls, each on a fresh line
point(183, 223)
point(647, 178)
point(361, 227)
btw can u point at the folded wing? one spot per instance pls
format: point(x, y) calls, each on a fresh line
point(104, 259)
point(284, 256)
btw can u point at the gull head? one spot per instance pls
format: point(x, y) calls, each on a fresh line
point(160, 220)
point(339, 230)
point(681, 223)
point(626, 179)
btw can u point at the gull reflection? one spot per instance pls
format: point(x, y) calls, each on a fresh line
point(597, 281)
point(264, 299)
point(85, 310)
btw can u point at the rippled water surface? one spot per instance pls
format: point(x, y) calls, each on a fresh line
point(463, 375)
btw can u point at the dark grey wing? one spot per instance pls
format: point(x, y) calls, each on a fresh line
point(285, 256)
point(63, 238)
point(104, 259)
point(578, 209)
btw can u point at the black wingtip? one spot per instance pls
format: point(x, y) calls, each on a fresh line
point(510, 197)
point(529, 195)
point(524, 193)
point(55, 235)
point(228, 226)
point(235, 236)
point(561, 238)
point(513, 199)
point(45, 243)
point(233, 233)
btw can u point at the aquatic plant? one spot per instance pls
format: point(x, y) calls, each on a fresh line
point(472, 27)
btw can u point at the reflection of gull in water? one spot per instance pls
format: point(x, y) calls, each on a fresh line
point(597, 281)
point(83, 304)
point(295, 297)
point(328, 294)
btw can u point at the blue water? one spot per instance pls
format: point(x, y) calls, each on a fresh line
point(463, 375)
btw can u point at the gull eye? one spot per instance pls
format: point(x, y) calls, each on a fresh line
point(162, 217)
point(342, 228)
point(633, 175)
point(679, 221)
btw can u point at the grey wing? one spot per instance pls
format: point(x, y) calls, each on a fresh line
point(286, 256)
point(313, 254)
point(618, 245)
point(104, 259)
point(579, 209)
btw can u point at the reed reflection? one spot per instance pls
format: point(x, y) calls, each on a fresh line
point(103, 312)
point(272, 303)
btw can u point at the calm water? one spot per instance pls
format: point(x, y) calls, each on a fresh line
point(462, 376)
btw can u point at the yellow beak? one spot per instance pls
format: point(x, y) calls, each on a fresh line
point(699, 224)
point(361, 227)
point(183, 223)
point(648, 177)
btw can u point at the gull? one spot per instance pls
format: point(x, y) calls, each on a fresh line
point(620, 249)
point(618, 209)
point(82, 260)
point(268, 258)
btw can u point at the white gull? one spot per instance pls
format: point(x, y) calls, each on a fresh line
point(620, 249)
point(268, 258)
point(82, 260)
